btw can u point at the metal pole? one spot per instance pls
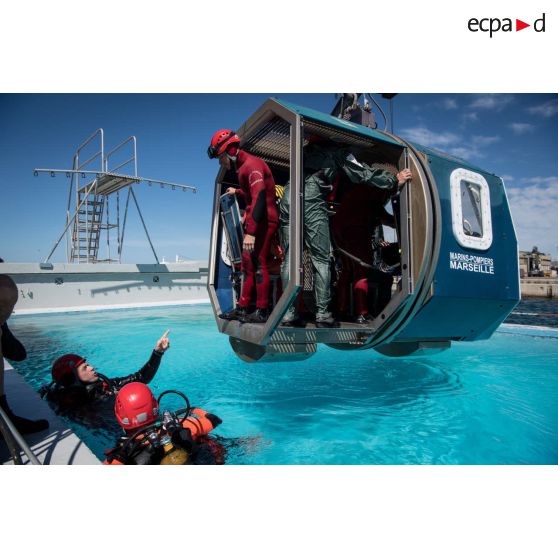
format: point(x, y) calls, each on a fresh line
point(118, 223)
point(135, 156)
point(68, 238)
point(75, 236)
point(124, 224)
point(86, 225)
point(102, 147)
point(108, 229)
point(145, 228)
point(135, 179)
point(19, 439)
point(10, 442)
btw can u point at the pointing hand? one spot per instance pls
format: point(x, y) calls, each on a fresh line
point(163, 344)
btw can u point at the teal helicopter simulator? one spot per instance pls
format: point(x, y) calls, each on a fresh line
point(451, 265)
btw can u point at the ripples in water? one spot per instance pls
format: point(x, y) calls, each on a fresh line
point(486, 402)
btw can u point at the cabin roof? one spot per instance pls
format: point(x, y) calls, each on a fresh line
point(353, 128)
point(337, 123)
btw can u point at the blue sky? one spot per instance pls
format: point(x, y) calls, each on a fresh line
point(512, 135)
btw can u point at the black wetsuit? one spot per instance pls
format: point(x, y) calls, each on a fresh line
point(78, 395)
point(12, 349)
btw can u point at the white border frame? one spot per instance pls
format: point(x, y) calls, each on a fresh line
point(485, 241)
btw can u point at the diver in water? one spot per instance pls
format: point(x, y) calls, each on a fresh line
point(76, 384)
point(173, 438)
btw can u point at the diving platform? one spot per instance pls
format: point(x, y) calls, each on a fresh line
point(110, 183)
point(95, 179)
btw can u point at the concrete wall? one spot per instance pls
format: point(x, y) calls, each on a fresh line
point(539, 287)
point(75, 287)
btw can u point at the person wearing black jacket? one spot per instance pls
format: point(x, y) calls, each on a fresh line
point(75, 383)
point(12, 349)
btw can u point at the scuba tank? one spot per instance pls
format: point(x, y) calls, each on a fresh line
point(173, 435)
point(172, 455)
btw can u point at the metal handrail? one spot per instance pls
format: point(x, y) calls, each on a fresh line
point(12, 437)
point(96, 132)
point(131, 139)
point(101, 152)
point(92, 158)
point(130, 160)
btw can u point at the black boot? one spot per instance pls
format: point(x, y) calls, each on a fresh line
point(259, 316)
point(295, 322)
point(237, 313)
point(12, 349)
point(326, 322)
point(23, 425)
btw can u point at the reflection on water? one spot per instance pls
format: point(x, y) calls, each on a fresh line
point(486, 402)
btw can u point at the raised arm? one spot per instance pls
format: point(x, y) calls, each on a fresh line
point(147, 372)
point(361, 173)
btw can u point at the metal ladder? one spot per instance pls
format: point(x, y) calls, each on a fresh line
point(87, 226)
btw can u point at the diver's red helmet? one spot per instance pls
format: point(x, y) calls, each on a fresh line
point(221, 142)
point(135, 406)
point(64, 368)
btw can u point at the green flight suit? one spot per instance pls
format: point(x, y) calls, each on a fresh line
point(321, 166)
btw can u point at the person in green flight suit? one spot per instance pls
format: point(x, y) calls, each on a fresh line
point(324, 163)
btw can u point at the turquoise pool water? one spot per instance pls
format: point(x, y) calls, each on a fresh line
point(489, 402)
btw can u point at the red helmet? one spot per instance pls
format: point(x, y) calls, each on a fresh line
point(220, 141)
point(64, 368)
point(135, 406)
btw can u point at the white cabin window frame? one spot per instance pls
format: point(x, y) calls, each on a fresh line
point(462, 230)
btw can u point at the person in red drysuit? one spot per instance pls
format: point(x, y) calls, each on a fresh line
point(359, 211)
point(358, 234)
point(260, 222)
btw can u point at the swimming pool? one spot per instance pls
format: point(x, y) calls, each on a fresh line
point(488, 402)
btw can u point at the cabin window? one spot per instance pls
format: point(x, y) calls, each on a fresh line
point(470, 206)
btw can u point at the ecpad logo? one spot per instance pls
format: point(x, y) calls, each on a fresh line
point(494, 24)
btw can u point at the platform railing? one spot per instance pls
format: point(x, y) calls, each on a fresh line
point(15, 441)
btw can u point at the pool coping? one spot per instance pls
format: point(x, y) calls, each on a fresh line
point(98, 308)
point(58, 445)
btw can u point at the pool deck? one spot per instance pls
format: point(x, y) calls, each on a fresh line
point(56, 287)
point(56, 446)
